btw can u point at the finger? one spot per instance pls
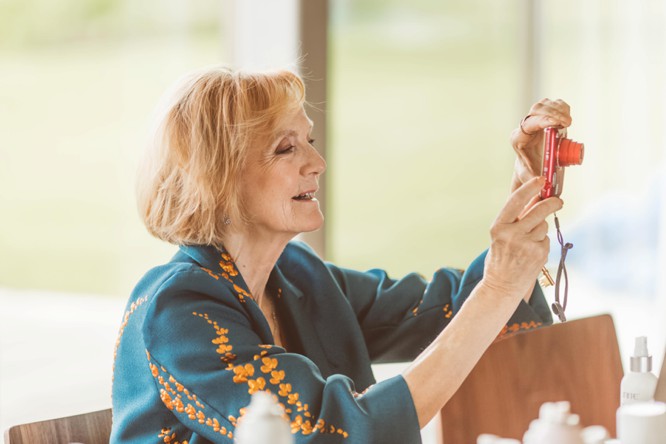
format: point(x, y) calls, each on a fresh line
point(562, 105)
point(539, 212)
point(519, 199)
point(529, 158)
point(545, 119)
point(558, 104)
point(545, 245)
point(536, 199)
point(539, 232)
point(558, 111)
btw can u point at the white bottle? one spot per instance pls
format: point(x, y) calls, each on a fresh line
point(556, 425)
point(638, 385)
point(642, 423)
point(263, 422)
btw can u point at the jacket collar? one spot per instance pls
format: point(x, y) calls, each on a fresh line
point(290, 303)
point(219, 264)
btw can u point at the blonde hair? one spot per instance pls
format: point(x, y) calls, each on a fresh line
point(188, 182)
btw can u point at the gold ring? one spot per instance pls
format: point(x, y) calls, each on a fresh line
point(522, 130)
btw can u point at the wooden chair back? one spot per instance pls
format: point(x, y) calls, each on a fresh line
point(660, 391)
point(577, 361)
point(87, 428)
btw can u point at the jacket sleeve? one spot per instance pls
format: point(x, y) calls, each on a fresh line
point(206, 361)
point(399, 318)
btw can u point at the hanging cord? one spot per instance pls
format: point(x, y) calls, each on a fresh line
point(558, 308)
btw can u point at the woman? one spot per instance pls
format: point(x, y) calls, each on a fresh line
point(231, 179)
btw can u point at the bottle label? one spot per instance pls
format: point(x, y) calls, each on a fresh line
point(629, 397)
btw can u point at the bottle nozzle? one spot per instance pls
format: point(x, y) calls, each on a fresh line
point(641, 361)
point(640, 348)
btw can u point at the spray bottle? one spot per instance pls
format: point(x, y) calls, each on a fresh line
point(639, 384)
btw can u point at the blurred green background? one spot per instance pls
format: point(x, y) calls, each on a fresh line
point(78, 83)
point(423, 96)
point(422, 100)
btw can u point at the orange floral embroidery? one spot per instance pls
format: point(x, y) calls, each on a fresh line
point(233, 420)
point(255, 385)
point(214, 423)
point(416, 309)
point(133, 307)
point(210, 272)
point(242, 294)
point(296, 424)
point(277, 376)
point(269, 364)
point(447, 311)
point(229, 272)
point(516, 327)
point(260, 355)
point(168, 437)
point(321, 425)
point(304, 421)
point(285, 389)
point(243, 372)
point(174, 401)
point(222, 340)
point(227, 265)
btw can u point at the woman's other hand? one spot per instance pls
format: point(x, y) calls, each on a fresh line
point(519, 241)
point(527, 138)
point(518, 250)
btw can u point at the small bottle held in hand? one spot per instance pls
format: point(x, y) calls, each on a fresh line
point(263, 422)
point(639, 384)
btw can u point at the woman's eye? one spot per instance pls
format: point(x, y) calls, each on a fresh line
point(285, 150)
point(311, 141)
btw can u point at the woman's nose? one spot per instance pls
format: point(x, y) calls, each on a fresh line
point(315, 163)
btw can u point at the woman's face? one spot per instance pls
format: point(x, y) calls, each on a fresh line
point(280, 179)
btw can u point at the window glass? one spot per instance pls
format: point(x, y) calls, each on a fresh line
point(79, 81)
point(608, 60)
point(78, 84)
point(424, 95)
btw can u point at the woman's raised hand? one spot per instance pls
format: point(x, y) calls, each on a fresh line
point(527, 138)
point(519, 241)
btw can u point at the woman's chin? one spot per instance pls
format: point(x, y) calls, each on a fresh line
point(313, 225)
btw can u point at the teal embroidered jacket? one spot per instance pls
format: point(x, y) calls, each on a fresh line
point(193, 346)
